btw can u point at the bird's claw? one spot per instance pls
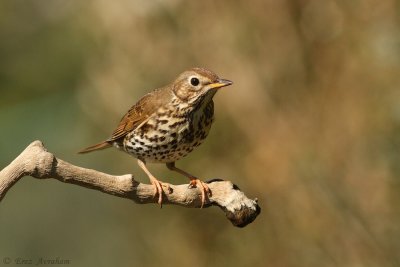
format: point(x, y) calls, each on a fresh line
point(205, 190)
point(158, 190)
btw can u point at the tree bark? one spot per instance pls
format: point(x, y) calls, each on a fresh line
point(37, 162)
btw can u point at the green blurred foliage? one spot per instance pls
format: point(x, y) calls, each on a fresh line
point(311, 127)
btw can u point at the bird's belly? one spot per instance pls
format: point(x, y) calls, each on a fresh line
point(168, 142)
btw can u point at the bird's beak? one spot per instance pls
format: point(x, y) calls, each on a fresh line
point(221, 83)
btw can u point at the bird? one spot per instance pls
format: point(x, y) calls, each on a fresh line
point(167, 123)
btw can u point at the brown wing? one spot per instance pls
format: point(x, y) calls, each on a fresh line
point(141, 112)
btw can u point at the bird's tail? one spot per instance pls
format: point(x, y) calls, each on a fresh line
point(99, 146)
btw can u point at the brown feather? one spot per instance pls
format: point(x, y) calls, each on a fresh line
point(102, 145)
point(142, 111)
point(135, 117)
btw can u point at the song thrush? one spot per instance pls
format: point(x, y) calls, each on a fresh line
point(168, 123)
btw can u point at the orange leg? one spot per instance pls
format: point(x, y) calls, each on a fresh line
point(205, 190)
point(157, 184)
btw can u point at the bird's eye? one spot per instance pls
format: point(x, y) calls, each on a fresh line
point(194, 81)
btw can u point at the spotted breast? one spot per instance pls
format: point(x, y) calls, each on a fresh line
point(170, 133)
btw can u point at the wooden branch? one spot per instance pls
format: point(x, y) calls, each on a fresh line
point(37, 162)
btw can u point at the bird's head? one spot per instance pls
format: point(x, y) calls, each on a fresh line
point(197, 84)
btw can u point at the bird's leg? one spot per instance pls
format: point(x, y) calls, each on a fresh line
point(205, 190)
point(157, 184)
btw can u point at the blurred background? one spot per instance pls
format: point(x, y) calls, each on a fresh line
point(311, 127)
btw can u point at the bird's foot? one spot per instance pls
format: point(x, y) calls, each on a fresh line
point(158, 190)
point(205, 190)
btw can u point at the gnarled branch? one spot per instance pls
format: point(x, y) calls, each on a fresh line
point(37, 162)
